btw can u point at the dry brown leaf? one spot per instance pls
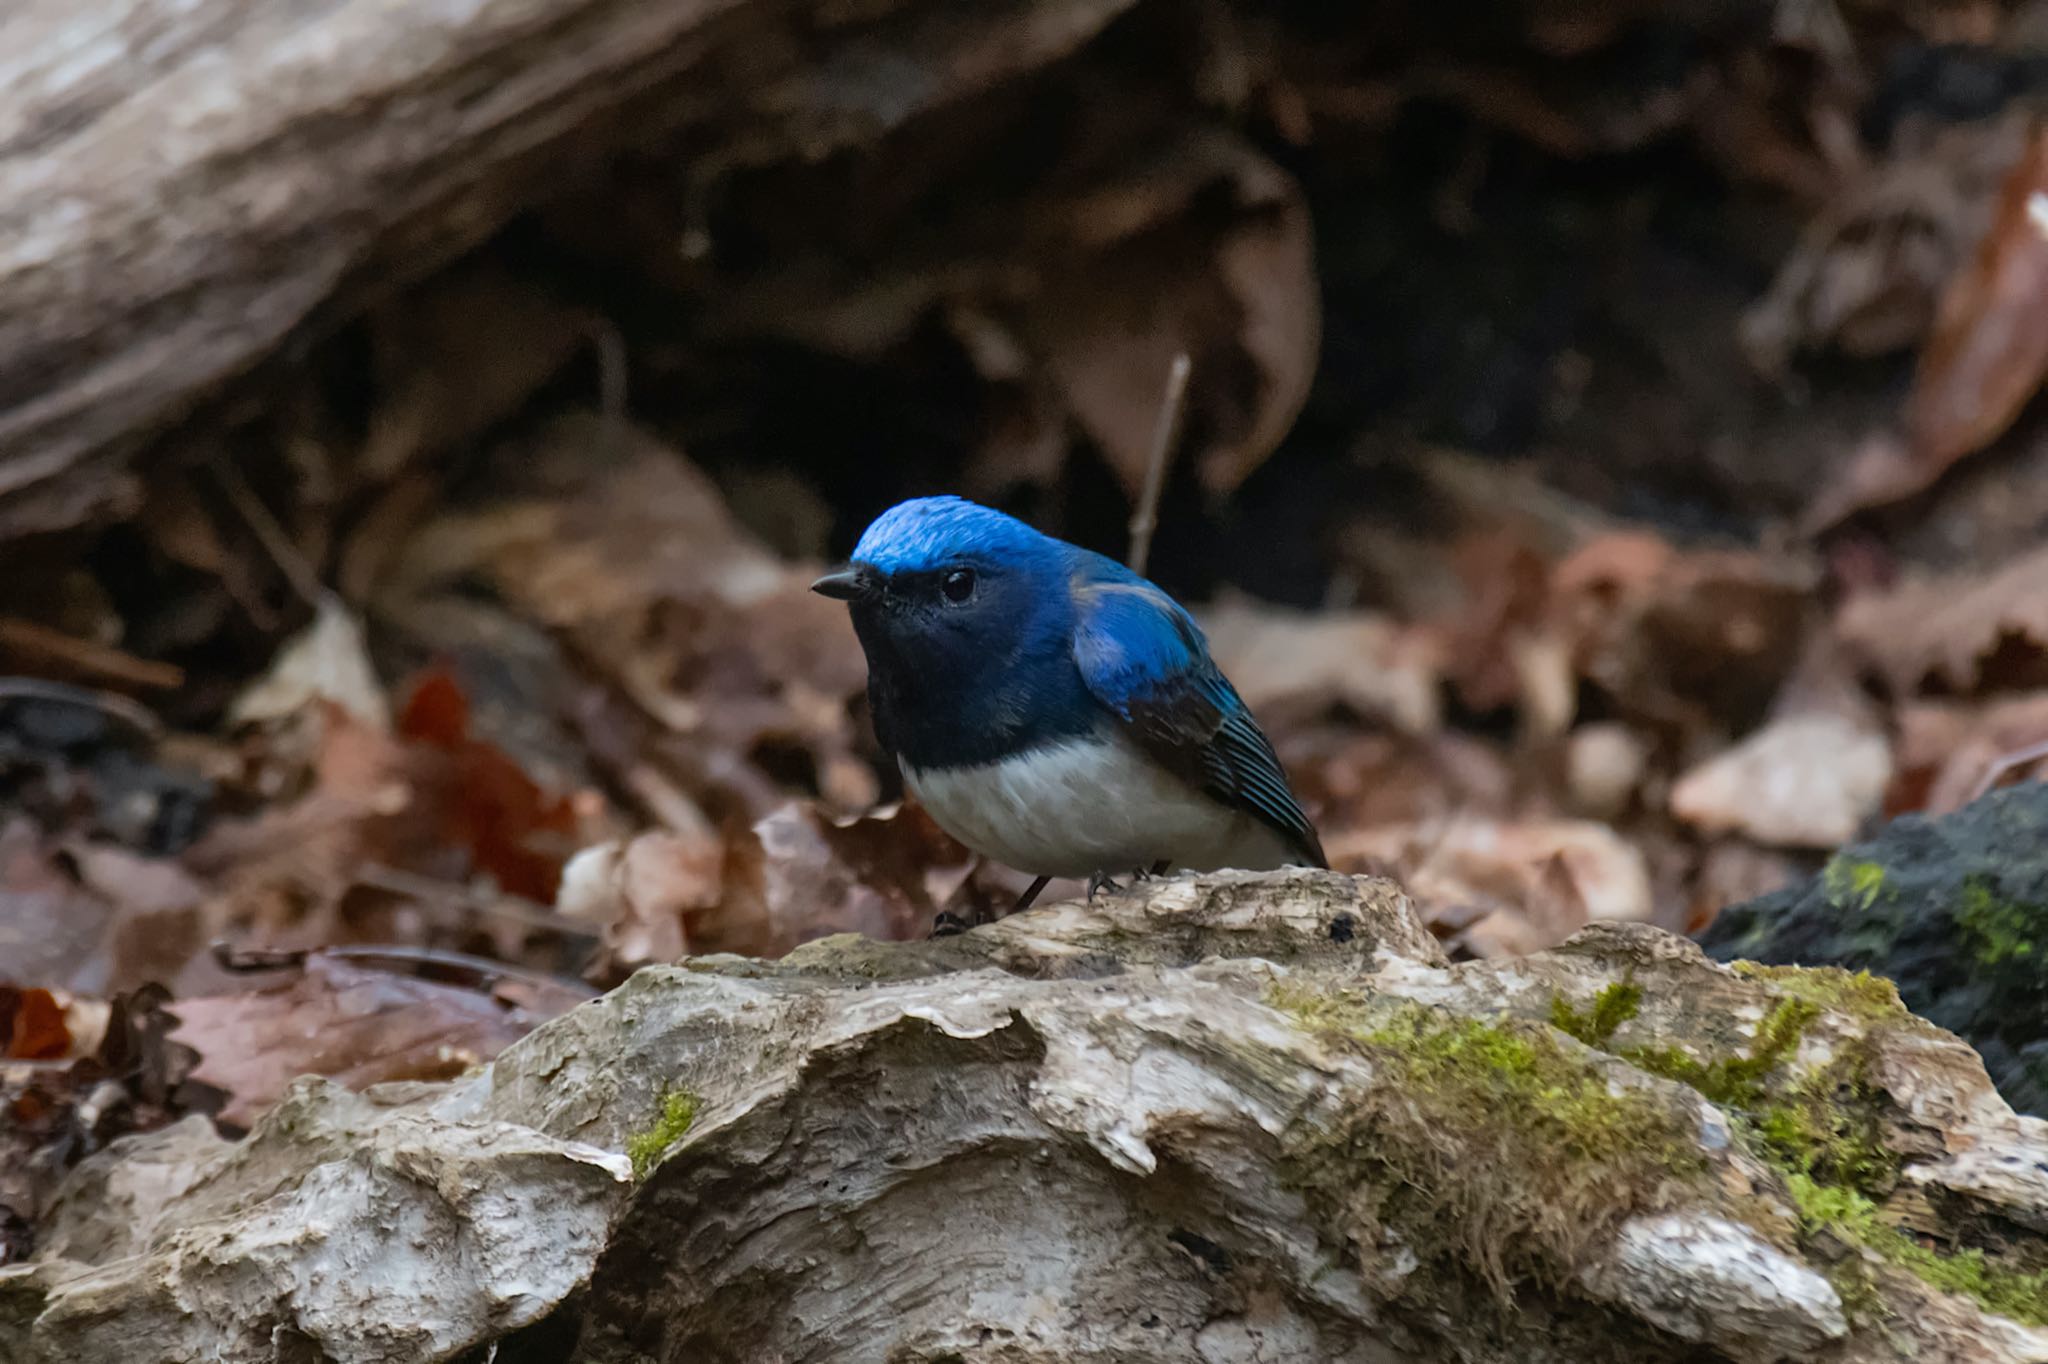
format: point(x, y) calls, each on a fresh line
point(1505, 885)
point(639, 893)
point(1240, 300)
point(157, 931)
point(1383, 670)
point(1867, 274)
point(1983, 362)
point(1882, 468)
point(52, 929)
point(1504, 642)
point(1989, 351)
point(1683, 637)
point(635, 560)
point(1073, 293)
point(1730, 872)
point(458, 355)
point(328, 660)
point(476, 798)
point(1803, 781)
point(35, 1026)
point(1506, 585)
point(803, 875)
point(353, 1024)
point(1961, 633)
point(591, 521)
point(1947, 749)
point(282, 871)
point(1604, 767)
point(1349, 779)
point(90, 1070)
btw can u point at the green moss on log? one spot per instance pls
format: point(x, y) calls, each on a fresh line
point(1496, 1145)
point(1855, 1220)
point(1872, 999)
point(1954, 909)
point(1821, 1123)
point(1735, 1082)
point(1615, 1005)
point(1502, 1149)
point(646, 1148)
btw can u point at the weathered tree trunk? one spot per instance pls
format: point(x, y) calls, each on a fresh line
point(1219, 1119)
point(183, 187)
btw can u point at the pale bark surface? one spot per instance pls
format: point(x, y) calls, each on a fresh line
point(1180, 1125)
point(184, 187)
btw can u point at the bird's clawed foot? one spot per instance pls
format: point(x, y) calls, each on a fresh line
point(946, 923)
point(1100, 881)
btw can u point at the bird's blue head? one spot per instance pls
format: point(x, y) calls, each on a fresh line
point(965, 615)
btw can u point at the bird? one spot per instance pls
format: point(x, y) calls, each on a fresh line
point(1055, 711)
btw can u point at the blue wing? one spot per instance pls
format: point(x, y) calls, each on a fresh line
point(1142, 656)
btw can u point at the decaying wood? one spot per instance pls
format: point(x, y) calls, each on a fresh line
point(184, 187)
point(1217, 1119)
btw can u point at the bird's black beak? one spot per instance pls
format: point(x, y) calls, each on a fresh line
point(848, 584)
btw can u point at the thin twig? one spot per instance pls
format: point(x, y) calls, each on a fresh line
point(387, 956)
point(102, 662)
point(1996, 771)
point(609, 343)
point(271, 535)
point(391, 955)
point(111, 704)
point(429, 890)
point(1146, 518)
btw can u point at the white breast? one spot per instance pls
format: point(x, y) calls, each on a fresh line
point(1090, 805)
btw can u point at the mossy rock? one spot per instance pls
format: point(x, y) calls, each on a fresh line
point(1492, 1139)
point(1953, 910)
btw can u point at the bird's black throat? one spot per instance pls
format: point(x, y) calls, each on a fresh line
point(947, 703)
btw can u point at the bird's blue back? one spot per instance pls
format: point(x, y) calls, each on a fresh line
point(1061, 644)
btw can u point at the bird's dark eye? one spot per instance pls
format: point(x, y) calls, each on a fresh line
point(958, 585)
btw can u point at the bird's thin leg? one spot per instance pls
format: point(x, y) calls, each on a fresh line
point(947, 923)
point(1101, 881)
point(1147, 873)
point(1030, 894)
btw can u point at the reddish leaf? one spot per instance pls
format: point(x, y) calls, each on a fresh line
point(1962, 633)
point(437, 712)
point(1989, 351)
point(34, 1025)
point(501, 816)
point(355, 1025)
point(803, 874)
point(492, 809)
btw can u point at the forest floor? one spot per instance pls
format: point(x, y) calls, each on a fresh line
point(1611, 471)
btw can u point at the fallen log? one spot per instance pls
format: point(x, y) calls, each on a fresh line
point(185, 188)
point(1228, 1118)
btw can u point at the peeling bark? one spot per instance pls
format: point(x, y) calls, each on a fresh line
point(184, 187)
point(1227, 1118)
